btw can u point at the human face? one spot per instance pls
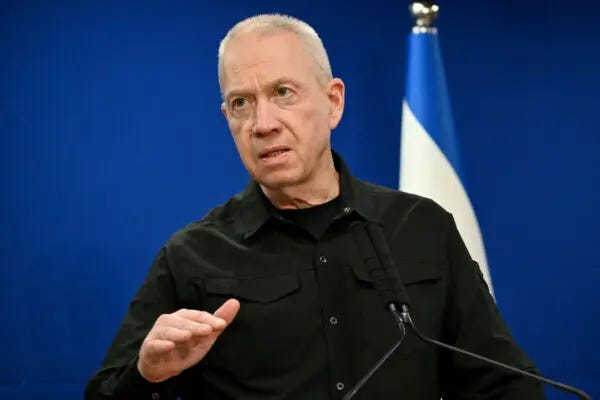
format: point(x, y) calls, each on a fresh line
point(279, 114)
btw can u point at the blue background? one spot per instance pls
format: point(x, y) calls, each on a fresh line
point(111, 139)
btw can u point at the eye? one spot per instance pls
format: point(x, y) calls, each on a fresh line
point(283, 91)
point(239, 102)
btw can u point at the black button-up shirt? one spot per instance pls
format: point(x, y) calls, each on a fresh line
point(311, 323)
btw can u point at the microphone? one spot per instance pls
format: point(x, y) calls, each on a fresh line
point(378, 259)
point(385, 287)
point(395, 288)
point(369, 241)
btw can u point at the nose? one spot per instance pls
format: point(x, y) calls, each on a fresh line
point(265, 118)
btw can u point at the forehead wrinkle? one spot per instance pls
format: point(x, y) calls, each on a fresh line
point(243, 70)
point(236, 61)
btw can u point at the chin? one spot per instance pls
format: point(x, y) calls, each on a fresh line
point(280, 180)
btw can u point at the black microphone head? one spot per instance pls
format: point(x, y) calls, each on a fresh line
point(395, 291)
point(370, 248)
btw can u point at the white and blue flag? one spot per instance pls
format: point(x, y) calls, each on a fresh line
point(429, 159)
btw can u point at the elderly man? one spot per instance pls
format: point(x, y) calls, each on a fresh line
point(267, 296)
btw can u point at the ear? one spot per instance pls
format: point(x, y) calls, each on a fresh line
point(224, 109)
point(336, 96)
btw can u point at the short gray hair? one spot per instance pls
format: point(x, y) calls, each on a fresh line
point(268, 23)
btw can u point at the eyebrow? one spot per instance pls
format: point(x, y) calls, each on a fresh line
point(270, 86)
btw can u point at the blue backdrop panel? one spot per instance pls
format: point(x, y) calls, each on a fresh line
point(111, 138)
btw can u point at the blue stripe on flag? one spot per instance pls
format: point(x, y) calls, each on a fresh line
point(427, 95)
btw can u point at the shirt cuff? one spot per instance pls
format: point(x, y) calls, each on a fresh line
point(135, 386)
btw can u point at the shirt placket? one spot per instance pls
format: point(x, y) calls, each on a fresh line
point(333, 316)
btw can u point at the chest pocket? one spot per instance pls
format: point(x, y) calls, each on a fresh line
point(273, 310)
point(426, 293)
point(259, 290)
point(423, 283)
point(413, 273)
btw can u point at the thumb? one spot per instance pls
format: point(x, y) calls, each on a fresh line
point(228, 310)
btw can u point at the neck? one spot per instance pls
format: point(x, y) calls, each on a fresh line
point(321, 189)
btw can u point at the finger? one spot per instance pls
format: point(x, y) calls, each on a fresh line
point(155, 347)
point(202, 317)
point(170, 333)
point(180, 322)
point(228, 310)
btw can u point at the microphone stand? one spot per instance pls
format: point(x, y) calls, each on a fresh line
point(385, 277)
point(404, 318)
point(375, 367)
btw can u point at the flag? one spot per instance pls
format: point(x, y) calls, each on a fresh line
point(429, 159)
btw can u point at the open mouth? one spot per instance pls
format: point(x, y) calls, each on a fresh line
point(273, 153)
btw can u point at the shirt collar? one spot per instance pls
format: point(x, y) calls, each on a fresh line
point(356, 197)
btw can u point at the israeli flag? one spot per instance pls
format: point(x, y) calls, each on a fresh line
point(429, 159)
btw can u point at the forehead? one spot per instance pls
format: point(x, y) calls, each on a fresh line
point(262, 56)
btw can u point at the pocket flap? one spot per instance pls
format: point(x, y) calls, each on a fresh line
point(410, 272)
point(262, 290)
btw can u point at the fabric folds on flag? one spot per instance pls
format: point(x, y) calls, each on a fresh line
point(429, 159)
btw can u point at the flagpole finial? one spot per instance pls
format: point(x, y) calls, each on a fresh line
point(424, 12)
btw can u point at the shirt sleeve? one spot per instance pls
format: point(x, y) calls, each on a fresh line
point(119, 377)
point(473, 322)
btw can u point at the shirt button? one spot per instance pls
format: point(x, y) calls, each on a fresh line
point(333, 320)
point(323, 259)
point(339, 386)
point(347, 210)
point(155, 396)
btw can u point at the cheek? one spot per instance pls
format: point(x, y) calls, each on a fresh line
point(242, 144)
point(242, 141)
point(316, 126)
point(319, 116)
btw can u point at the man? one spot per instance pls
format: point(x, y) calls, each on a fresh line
point(267, 296)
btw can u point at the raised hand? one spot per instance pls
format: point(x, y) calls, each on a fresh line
point(180, 340)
